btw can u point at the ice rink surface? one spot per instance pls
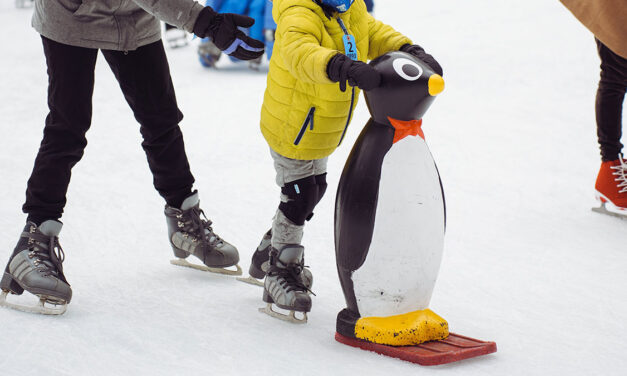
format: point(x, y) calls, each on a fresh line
point(526, 264)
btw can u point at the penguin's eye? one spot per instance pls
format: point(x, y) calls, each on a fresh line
point(407, 69)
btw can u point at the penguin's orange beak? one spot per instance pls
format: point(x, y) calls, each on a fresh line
point(436, 85)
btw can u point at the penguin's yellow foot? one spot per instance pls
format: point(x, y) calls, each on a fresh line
point(407, 329)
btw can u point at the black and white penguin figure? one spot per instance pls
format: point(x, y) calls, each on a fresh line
point(390, 213)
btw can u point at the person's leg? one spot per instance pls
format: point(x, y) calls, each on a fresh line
point(609, 102)
point(36, 262)
point(302, 182)
point(144, 77)
point(611, 183)
point(287, 282)
point(269, 29)
point(256, 10)
point(70, 88)
point(234, 6)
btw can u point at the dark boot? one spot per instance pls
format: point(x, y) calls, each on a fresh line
point(189, 234)
point(259, 264)
point(36, 266)
point(283, 285)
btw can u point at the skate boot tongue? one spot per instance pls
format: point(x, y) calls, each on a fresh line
point(193, 202)
point(283, 285)
point(190, 202)
point(46, 247)
point(289, 264)
point(51, 227)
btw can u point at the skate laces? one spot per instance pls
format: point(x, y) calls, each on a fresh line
point(47, 252)
point(289, 276)
point(621, 173)
point(201, 228)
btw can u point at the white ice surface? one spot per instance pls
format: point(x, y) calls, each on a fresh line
point(526, 262)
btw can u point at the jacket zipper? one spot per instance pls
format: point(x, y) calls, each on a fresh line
point(350, 111)
point(308, 121)
point(117, 24)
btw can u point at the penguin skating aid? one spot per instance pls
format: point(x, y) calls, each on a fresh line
point(390, 219)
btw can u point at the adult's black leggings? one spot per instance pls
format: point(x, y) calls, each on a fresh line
point(609, 102)
point(144, 77)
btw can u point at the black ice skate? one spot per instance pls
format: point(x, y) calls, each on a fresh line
point(259, 264)
point(283, 285)
point(189, 234)
point(260, 257)
point(36, 266)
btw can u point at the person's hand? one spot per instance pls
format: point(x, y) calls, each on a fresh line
point(223, 29)
point(420, 53)
point(357, 73)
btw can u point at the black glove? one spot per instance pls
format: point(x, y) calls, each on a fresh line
point(341, 69)
point(420, 53)
point(223, 30)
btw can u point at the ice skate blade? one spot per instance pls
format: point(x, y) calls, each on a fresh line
point(289, 318)
point(604, 210)
point(40, 308)
point(250, 281)
point(204, 268)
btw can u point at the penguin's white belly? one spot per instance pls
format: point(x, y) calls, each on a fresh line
point(403, 261)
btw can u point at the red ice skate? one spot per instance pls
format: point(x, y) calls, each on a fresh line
point(611, 188)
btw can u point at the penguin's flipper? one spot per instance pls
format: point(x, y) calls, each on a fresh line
point(356, 203)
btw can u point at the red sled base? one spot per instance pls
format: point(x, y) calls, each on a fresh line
point(451, 349)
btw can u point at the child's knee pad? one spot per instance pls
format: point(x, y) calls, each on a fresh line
point(303, 195)
point(321, 182)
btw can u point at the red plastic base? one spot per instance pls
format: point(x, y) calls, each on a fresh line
point(448, 350)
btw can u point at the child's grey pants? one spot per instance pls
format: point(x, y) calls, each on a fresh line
point(285, 231)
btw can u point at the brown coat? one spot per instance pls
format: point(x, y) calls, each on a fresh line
point(606, 19)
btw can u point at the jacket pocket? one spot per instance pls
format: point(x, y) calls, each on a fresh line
point(96, 9)
point(309, 121)
point(69, 5)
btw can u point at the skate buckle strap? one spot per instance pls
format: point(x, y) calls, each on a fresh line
point(621, 173)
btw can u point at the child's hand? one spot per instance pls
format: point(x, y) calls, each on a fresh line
point(223, 30)
point(342, 69)
point(420, 53)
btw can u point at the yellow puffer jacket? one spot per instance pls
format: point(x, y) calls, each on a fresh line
point(304, 113)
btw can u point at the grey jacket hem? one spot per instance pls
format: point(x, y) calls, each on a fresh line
point(122, 25)
point(95, 44)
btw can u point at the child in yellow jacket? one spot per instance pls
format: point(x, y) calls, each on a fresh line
point(305, 113)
